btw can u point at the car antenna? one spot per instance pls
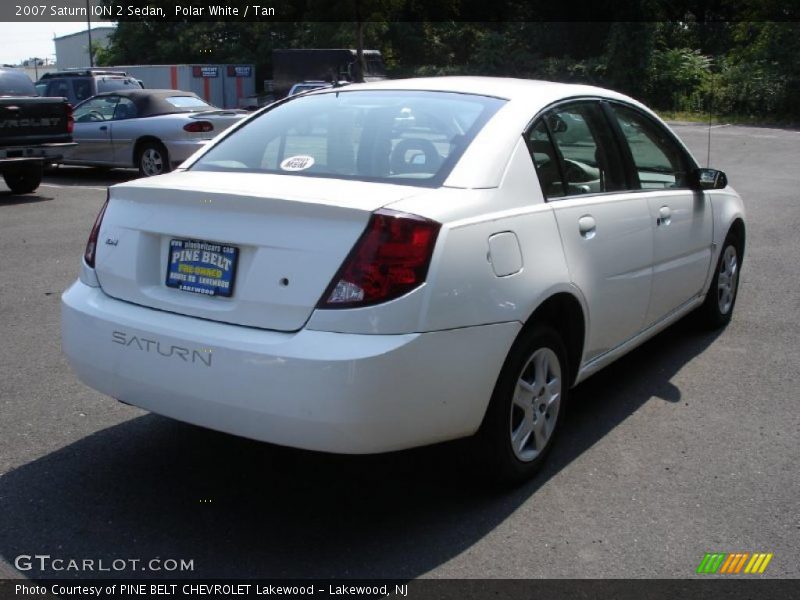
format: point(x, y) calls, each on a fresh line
point(708, 146)
point(708, 151)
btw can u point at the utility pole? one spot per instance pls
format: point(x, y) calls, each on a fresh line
point(89, 33)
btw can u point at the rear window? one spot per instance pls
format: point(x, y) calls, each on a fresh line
point(112, 85)
point(188, 102)
point(410, 137)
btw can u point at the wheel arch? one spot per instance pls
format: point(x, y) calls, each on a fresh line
point(738, 229)
point(140, 142)
point(565, 312)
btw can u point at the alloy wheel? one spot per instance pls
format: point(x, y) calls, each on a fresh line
point(534, 409)
point(727, 280)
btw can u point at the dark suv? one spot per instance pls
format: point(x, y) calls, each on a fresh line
point(79, 85)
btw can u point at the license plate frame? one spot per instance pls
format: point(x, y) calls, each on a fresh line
point(202, 267)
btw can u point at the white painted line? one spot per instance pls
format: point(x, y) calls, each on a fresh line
point(79, 187)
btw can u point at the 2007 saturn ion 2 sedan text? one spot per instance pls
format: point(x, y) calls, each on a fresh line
point(379, 266)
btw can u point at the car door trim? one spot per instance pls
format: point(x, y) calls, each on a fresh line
point(600, 361)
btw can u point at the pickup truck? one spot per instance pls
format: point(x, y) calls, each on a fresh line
point(33, 131)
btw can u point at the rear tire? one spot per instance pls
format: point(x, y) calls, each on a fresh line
point(23, 179)
point(717, 309)
point(152, 159)
point(527, 407)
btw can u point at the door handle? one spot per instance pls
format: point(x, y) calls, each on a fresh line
point(664, 216)
point(587, 227)
point(103, 127)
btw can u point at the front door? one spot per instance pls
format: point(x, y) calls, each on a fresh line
point(682, 217)
point(93, 131)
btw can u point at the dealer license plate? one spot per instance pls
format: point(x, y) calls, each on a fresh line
point(202, 267)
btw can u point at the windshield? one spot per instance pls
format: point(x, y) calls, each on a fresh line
point(409, 137)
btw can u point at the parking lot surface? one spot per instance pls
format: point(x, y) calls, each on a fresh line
point(688, 445)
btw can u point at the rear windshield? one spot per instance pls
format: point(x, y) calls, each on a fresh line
point(188, 102)
point(409, 137)
point(112, 85)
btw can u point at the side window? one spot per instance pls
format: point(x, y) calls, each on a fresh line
point(574, 152)
point(59, 87)
point(125, 109)
point(660, 163)
point(545, 160)
point(97, 109)
point(82, 89)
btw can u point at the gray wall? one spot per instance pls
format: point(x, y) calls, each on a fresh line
point(72, 51)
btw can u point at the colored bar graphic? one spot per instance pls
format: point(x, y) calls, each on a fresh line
point(702, 566)
point(741, 562)
point(730, 563)
point(764, 564)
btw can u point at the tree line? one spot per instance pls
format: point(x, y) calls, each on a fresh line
point(724, 59)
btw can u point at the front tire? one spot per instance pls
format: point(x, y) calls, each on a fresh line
point(23, 179)
point(152, 159)
point(717, 309)
point(527, 407)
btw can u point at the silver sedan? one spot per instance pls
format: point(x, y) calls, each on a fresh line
point(152, 130)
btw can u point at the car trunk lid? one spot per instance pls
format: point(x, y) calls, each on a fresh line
point(292, 234)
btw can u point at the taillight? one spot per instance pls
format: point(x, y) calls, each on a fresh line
point(390, 259)
point(91, 244)
point(199, 127)
point(70, 119)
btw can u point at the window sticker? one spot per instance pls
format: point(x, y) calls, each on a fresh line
point(300, 162)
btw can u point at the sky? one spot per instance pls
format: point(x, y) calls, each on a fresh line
point(25, 40)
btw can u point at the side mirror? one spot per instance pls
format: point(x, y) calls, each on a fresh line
point(708, 179)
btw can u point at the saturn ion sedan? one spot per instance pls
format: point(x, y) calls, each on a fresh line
point(375, 267)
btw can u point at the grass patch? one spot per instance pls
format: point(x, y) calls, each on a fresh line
point(699, 117)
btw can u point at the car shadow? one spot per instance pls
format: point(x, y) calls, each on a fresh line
point(153, 487)
point(72, 175)
point(9, 198)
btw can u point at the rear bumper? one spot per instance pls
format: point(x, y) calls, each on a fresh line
point(317, 390)
point(180, 150)
point(41, 152)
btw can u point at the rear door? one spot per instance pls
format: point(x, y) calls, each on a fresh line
point(606, 230)
point(681, 217)
point(93, 130)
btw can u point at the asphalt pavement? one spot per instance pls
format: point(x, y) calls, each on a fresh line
point(688, 445)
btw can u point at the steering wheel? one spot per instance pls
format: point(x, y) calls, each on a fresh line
point(404, 157)
point(92, 116)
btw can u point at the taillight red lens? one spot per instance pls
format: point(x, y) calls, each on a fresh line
point(199, 127)
point(91, 244)
point(390, 259)
point(70, 119)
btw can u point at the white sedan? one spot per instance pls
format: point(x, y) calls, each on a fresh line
point(152, 130)
point(387, 265)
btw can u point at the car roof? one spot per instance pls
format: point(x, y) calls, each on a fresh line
point(507, 88)
point(151, 102)
point(87, 73)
